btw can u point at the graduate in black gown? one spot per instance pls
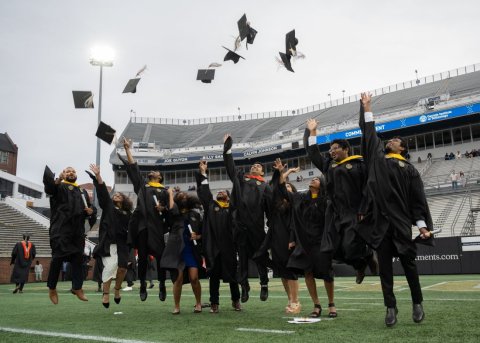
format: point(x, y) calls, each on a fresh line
point(23, 254)
point(280, 238)
point(70, 207)
point(182, 256)
point(396, 203)
point(346, 177)
point(249, 200)
point(148, 222)
point(217, 237)
point(112, 245)
point(308, 222)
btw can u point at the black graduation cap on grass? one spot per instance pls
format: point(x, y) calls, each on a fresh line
point(286, 61)
point(232, 56)
point(131, 86)
point(291, 43)
point(206, 75)
point(245, 30)
point(105, 132)
point(83, 99)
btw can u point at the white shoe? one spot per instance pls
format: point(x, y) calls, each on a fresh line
point(128, 288)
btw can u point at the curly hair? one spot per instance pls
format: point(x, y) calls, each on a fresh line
point(127, 204)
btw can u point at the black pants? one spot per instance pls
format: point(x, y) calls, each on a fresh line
point(243, 267)
point(385, 252)
point(214, 284)
point(20, 286)
point(77, 270)
point(143, 260)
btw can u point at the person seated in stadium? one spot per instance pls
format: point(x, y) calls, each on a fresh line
point(112, 245)
point(396, 201)
point(217, 237)
point(345, 179)
point(147, 226)
point(70, 207)
point(182, 255)
point(250, 198)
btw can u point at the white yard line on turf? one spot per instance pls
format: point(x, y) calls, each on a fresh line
point(71, 335)
point(265, 330)
point(436, 284)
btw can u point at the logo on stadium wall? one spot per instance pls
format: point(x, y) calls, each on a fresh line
point(423, 119)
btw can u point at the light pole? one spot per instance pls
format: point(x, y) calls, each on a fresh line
point(343, 96)
point(330, 96)
point(101, 57)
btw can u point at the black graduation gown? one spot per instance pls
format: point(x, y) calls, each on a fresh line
point(249, 201)
point(113, 227)
point(217, 233)
point(67, 220)
point(309, 225)
point(396, 197)
point(21, 264)
point(345, 185)
point(280, 229)
point(146, 216)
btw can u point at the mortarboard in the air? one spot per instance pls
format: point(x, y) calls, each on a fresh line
point(245, 30)
point(105, 132)
point(286, 61)
point(83, 99)
point(131, 86)
point(232, 56)
point(206, 75)
point(291, 43)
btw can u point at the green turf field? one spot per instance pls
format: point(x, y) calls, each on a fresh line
point(452, 307)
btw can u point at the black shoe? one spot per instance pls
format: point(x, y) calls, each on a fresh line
point(245, 296)
point(163, 292)
point(143, 292)
point(264, 292)
point(151, 286)
point(372, 262)
point(391, 316)
point(417, 314)
point(360, 276)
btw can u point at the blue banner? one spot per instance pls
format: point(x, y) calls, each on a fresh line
point(405, 122)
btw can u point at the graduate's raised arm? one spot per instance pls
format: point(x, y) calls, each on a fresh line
point(203, 188)
point(310, 144)
point(127, 146)
point(227, 156)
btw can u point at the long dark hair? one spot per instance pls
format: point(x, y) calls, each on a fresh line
point(127, 204)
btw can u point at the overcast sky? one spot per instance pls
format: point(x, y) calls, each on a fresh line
point(351, 45)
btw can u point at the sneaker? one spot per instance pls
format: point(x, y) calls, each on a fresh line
point(236, 305)
point(127, 289)
point(214, 308)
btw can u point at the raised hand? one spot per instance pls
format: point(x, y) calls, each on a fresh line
point(226, 136)
point(366, 99)
point(126, 143)
point(202, 166)
point(293, 170)
point(312, 124)
point(95, 169)
point(278, 165)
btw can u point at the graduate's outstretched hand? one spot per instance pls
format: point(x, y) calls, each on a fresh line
point(366, 99)
point(202, 166)
point(424, 233)
point(312, 124)
point(95, 169)
point(278, 165)
point(126, 143)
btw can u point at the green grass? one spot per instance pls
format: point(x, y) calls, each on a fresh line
point(452, 307)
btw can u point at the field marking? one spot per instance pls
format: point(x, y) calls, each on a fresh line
point(71, 335)
point(287, 332)
point(436, 284)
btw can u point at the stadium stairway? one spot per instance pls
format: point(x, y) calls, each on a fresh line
point(13, 224)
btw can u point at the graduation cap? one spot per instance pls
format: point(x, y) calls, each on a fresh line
point(206, 75)
point(286, 61)
point(291, 43)
point(105, 132)
point(245, 30)
point(83, 99)
point(131, 86)
point(232, 56)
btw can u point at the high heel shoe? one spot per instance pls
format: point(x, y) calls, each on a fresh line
point(107, 304)
point(315, 313)
point(332, 314)
point(117, 300)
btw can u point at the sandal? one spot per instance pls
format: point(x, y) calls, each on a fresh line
point(195, 310)
point(117, 300)
point(332, 314)
point(315, 313)
point(176, 311)
point(107, 304)
point(294, 308)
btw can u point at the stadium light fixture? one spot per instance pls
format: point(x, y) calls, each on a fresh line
point(343, 96)
point(330, 96)
point(100, 56)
